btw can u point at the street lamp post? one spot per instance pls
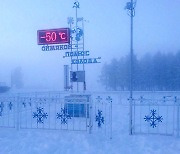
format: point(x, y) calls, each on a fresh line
point(130, 7)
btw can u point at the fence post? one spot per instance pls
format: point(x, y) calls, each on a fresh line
point(111, 121)
point(130, 116)
point(17, 112)
point(177, 116)
point(90, 116)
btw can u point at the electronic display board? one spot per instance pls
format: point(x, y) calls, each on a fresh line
point(53, 36)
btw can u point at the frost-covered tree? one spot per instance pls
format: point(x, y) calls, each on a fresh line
point(151, 72)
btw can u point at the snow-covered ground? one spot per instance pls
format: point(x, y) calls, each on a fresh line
point(27, 141)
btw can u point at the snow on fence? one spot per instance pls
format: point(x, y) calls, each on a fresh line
point(156, 116)
point(76, 112)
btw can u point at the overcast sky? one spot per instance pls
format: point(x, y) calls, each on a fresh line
point(107, 34)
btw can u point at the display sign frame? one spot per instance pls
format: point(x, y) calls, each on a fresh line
point(53, 36)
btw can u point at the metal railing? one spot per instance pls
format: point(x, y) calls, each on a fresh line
point(156, 116)
point(57, 111)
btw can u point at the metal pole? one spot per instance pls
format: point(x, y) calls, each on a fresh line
point(71, 56)
point(178, 105)
point(70, 22)
point(84, 83)
point(83, 39)
point(131, 68)
point(111, 121)
point(70, 26)
point(18, 113)
point(77, 41)
point(131, 53)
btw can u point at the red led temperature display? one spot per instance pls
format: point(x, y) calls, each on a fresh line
point(53, 36)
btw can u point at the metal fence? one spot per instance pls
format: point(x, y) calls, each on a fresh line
point(56, 111)
point(102, 115)
point(90, 112)
point(156, 116)
point(8, 112)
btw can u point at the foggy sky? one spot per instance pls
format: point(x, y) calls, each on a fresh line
point(107, 34)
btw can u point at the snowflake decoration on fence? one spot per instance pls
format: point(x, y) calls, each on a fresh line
point(99, 99)
point(99, 118)
point(109, 99)
point(40, 115)
point(10, 105)
point(24, 104)
point(153, 118)
point(1, 108)
point(64, 116)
